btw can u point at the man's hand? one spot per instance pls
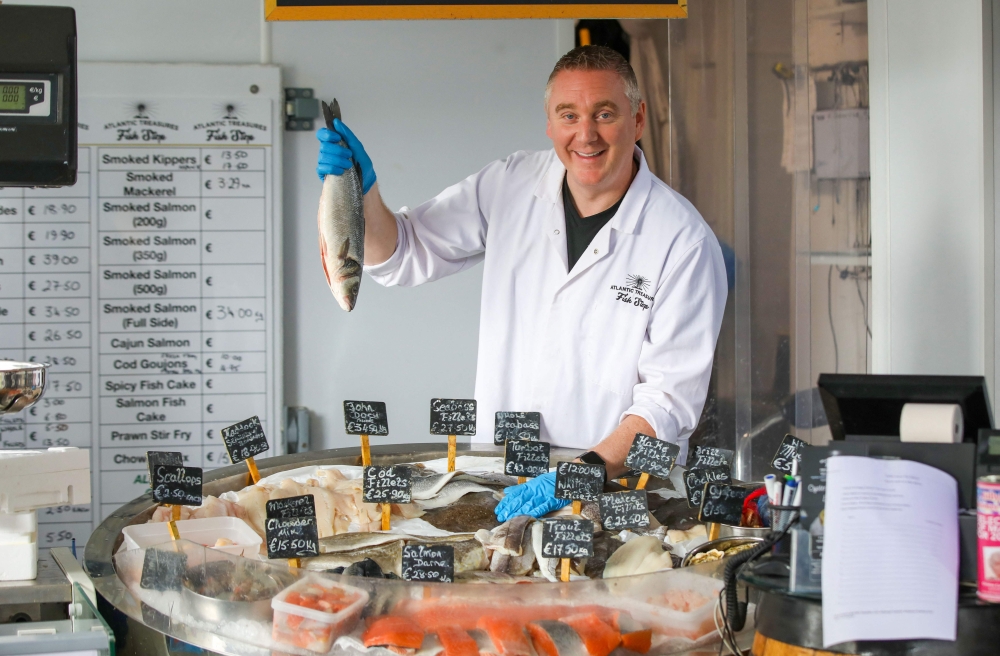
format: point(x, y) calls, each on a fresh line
point(334, 159)
point(537, 497)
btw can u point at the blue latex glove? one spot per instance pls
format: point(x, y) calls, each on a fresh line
point(537, 497)
point(334, 159)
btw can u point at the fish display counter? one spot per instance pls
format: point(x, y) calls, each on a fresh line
point(219, 591)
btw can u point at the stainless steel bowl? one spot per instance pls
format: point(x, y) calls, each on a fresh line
point(21, 385)
point(721, 544)
point(206, 588)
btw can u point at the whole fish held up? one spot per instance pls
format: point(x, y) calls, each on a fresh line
point(342, 227)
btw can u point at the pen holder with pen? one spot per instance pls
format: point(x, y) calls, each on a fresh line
point(782, 517)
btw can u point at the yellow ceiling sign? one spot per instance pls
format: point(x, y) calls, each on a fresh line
point(302, 10)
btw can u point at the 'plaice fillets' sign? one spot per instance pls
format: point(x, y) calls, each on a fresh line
point(621, 510)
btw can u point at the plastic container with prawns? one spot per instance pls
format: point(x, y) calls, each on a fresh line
point(313, 611)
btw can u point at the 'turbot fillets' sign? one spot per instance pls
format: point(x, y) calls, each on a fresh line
point(517, 426)
point(579, 481)
point(365, 418)
point(245, 439)
point(177, 485)
point(382, 484)
point(526, 458)
point(453, 416)
point(652, 456)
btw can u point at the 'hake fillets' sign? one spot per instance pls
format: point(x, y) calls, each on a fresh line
point(154, 458)
point(433, 563)
point(177, 485)
point(710, 456)
point(382, 484)
point(245, 439)
point(516, 426)
point(579, 481)
point(162, 569)
point(453, 417)
point(621, 510)
point(567, 538)
point(695, 479)
point(723, 503)
point(290, 527)
point(366, 418)
point(526, 458)
point(652, 456)
point(789, 451)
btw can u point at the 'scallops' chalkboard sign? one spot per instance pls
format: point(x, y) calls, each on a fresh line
point(275, 10)
point(652, 456)
point(245, 439)
point(154, 458)
point(567, 538)
point(710, 456)
point(621, 510)
point(366, 418)
point(177, 485)
point(432, 563)
point(579, 481)
point(695, 479)
point(162, 569)
point(386, 484)
point(290, 528)
point(789, 451)
point(516, 426)
point(722, 503)
point(453, 416)
point(526, 458)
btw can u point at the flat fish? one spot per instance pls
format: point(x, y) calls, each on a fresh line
point(605, 544)
point(554, 638)
point(473, 512)
point(389, 557)
point(341, 220)
point(449, 494)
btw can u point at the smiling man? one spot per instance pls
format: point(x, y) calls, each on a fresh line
point(603, 289)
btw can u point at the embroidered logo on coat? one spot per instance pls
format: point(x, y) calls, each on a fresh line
point(633, 292)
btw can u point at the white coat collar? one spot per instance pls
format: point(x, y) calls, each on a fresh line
point(549, 188)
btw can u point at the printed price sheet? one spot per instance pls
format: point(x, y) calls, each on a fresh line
point(149, 288)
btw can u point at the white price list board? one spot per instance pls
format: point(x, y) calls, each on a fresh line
point(152, 286)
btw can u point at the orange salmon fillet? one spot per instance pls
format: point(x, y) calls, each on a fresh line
point(457, 641)
point(507, 635)
point(598, 636)
point(393, 631)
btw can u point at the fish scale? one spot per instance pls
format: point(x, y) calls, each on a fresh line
point(341, 220)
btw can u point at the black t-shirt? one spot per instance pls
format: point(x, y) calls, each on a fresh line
point(580, 231)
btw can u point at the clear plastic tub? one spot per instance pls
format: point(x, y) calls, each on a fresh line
point(206, 531)
point(312, 612)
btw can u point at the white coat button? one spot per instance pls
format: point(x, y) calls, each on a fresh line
point(595, 251)
point(555, 232)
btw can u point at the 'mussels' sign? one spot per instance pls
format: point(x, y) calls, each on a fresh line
point(410, 9)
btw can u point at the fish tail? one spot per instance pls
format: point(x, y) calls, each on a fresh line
point(331, 112)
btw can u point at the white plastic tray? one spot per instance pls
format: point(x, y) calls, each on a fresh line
point(204, 531)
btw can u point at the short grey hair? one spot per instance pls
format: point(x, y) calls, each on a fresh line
point(598, 58)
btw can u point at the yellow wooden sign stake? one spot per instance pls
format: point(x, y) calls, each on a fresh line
point(713, 531)
point(623, 482)
point(643, 479)
point(295, 562)
point(452, 447)
point(564, 575)
point(577, 506)
point(175, 514)
point(252, 466)
point(386, 512)
point(522, 479)
point(366, 453)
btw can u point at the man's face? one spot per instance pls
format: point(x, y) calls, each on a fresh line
point(592, 128)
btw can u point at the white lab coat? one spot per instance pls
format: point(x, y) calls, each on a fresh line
point(630, 330)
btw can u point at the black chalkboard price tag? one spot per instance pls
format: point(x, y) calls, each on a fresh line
point(695, 479)
point(291, 537)
point(578, 481)
point(789, 451)
point(386, 484)
point(366, 418)
point(177, 485)
point(301, 506)
point(652, 456)
point(722, 503)
point(154, 458)
point(516, 426)
point(245, 439)
point(162, 569)
point(453, 416)
point(710, 456)
point(567, 538)
point(526, 458)
point(430, 563)
point(621, 510)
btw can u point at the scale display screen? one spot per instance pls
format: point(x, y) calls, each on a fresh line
point(13, 97)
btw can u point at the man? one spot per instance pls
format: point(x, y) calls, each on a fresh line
point(603, 289)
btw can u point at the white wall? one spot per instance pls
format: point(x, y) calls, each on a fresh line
point(433, 102)
point(931, 178)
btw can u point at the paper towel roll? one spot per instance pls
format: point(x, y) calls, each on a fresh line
point(931, 422)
